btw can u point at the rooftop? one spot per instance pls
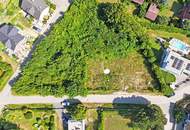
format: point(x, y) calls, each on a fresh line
point(185, 12)
point(10, 36)
point(152, 12)
point(175, 63)
point(34, 7)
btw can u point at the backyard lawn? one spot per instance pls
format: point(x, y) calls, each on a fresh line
point(113, 121)
point(10, 12)
point(32, 117)
point(125, 74)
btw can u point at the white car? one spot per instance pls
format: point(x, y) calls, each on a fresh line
point(65, 103)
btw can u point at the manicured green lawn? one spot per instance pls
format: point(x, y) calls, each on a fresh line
point(41, 117)
point(129, 74)
point(10, 12)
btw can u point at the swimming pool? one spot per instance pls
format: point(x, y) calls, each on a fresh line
point(179, 45)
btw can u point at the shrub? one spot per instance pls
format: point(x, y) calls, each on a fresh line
point(28, 115)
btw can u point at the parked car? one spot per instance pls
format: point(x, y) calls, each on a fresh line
point(65, 103)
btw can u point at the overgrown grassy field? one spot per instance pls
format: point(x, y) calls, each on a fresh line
point(130, 73)
point(32, 117)
point(5, 73)
point(10, 12)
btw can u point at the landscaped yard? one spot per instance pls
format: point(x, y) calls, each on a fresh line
point(10, 12)
point(32, 117)
point(130, 73)
point(92, 119)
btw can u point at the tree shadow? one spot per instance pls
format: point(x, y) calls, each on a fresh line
point(131, 100)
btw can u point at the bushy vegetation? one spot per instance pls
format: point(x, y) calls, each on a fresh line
point(107, 31)
point(181, 108)
point(6, 125)
point(77, 111)
point(5, 73)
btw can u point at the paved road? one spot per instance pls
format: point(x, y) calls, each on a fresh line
point(137, 98)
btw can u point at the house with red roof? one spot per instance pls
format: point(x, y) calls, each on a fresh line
point(152, 12)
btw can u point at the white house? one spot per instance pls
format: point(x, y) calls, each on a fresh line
point(76, 125)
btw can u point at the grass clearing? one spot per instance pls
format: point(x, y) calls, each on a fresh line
point(40, 118)
point(113, 121)
point(125, 74)
point(164, 34)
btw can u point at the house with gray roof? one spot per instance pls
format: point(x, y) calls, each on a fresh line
point(10, 37)
point(36, 8)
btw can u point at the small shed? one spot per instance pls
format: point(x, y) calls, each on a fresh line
point(152, 12)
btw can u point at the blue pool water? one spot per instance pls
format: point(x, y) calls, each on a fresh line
point(180, 46)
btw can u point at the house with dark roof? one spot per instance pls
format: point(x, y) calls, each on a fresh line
point(140, 2)
point(152, 12)
point(10, 37)
point(184, 13)
point(36, 8)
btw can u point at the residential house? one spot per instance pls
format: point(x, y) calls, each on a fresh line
point(174, 58)
point(76, 125)
point(11, 38)
point(184, 13)
point(187, 123)
point(152, 12)
point(140, 2)
point(36, 8)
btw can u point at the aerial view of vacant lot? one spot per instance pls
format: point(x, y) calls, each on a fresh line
point(108, 49)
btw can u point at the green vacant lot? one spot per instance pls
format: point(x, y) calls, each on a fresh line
point(71, 59)
point(10, 12)
point(32, 117)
